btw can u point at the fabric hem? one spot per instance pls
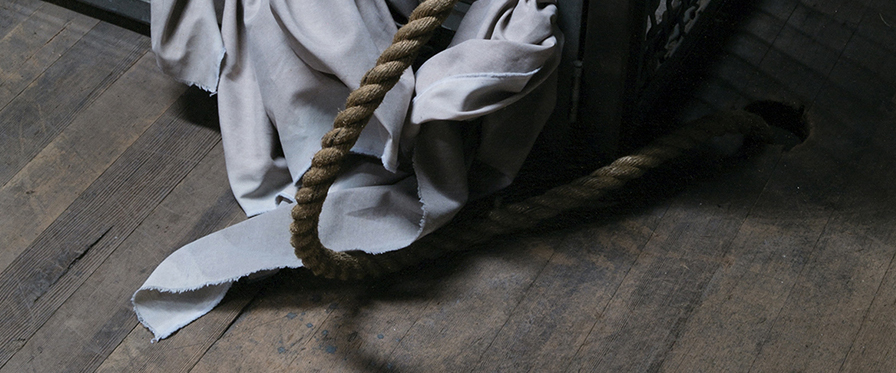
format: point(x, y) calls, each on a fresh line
point(160, 335)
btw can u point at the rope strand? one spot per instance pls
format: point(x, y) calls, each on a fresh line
point(348, 125)
point(360, 105)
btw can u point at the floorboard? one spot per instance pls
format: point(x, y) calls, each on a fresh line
point(107, 318)
point(39, 41)
point(39, 113)
point(783, 261)
point(180, 354)
point(97, 136)
point(65, 255)
point(13, 12)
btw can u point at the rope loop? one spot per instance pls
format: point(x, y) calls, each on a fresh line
point(336, 144)
point(361, 104)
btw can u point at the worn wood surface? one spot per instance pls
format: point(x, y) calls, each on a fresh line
point(779, 262)
point(47, 105)
point(43, 189)
point(84, 236)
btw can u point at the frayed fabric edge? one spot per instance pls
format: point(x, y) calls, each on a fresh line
point(159, 335)
point(212, 90)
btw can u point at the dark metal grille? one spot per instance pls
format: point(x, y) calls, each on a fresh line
point(668, 22)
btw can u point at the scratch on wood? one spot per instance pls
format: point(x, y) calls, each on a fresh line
point(64, 27)
point(86, 249)
point(43, 288)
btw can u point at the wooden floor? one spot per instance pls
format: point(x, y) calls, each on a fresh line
point(781, 262)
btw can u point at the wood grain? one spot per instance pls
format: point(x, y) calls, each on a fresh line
point(659, 296)
point(780, 262)
point(585, 271)
point(39, 41)
point(180, 352)
point(67, 253)
point(99, 315)
point(741, 300)
point(97, 136)
point(330, 326)
point(43, 110)
point(13, 12)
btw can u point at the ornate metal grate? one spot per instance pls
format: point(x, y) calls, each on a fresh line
point(668, 23)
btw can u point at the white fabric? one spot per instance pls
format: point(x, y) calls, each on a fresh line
point(457, 128)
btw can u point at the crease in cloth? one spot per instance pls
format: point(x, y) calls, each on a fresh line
point(479, 106)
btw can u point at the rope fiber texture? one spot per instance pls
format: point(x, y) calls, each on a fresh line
point(356, 265)
point(335, 145)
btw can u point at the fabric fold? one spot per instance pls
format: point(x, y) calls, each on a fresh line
point(195, 278)
point(186, 41)
point(458, 128)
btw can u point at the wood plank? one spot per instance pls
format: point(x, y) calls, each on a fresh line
point(311, 324)
point(99, 314)
point(732, 79)
point(48, 105)
point(766, 22)
point(556, 324)
point(273, 330)
point(825, 325)
point(556, 313)
point(720, 85)
point(846, 12)
point(794, 81)
point(658, 297)
point(358, 327)
point(35, 44)
point(827, 304)
point(65, 254)
point(816, 41)
point(137, 10)
point(825, 30)
point(180, 352)
point(872, 348)
point(13, 12)
point(73, 160)
point(854, 105)
point(452, 330)
point(352, 328)
point(880, 23)
point(796, 305)
point(743, 298)
point(873, 56)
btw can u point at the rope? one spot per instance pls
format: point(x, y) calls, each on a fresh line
point(359, 108)
point(361, 103)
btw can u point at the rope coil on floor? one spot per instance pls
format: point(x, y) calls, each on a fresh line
point(362, 102)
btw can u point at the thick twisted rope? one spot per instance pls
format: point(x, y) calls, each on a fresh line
point(526, 214)
point(580, 193)
point(348, 124)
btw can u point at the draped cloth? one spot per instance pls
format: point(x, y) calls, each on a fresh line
point(456, 129)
